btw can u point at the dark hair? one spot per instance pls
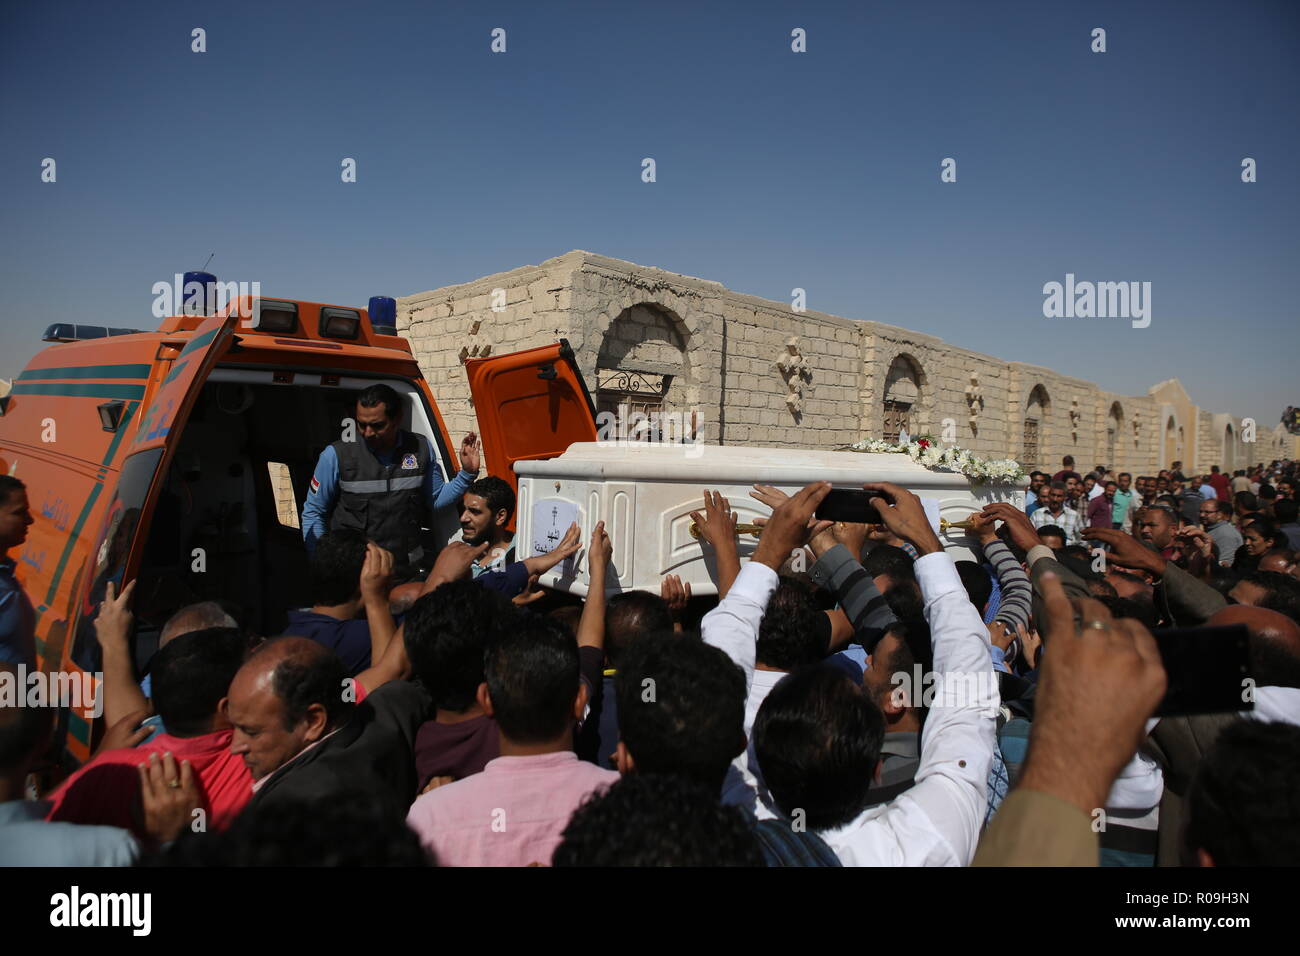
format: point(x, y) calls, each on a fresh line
point(905, 600)
point(1282, 592)
point(1222, 578)
point(1137, 610)
point(1223, 507)
point(657, 820)
point(890, 560)
point(341, 828)
point(817, 739)
point(1246, 501)
point(791, 633)
point(976, 581)
point(631, 615)
point(1241, 806)
point(496, 494)
point(681, 708)
point(1068, 461)
point(384, 395)
point(8, 486)
point(532, 674)
point(1285, 510)
point(1125, 474)
point(447, 633)
point(192, 674)
point(1267, 529)
point(308, 675)
point(912, 646)
point(336, 567)
point(1048, 530)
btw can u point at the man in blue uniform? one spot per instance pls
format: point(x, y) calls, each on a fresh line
point(385, 485)
point(17, 618)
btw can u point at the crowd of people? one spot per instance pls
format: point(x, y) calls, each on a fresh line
point(852, 697)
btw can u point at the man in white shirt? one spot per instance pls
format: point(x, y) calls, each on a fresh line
point(937, 821)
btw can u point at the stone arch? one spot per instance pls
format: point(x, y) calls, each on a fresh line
point(1173, 440)
point(1038, 409)
point(643, 363)
point(902, 397)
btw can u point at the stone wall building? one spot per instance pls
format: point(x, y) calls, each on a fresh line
point(756, 372)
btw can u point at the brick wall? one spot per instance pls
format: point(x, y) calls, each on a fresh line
point(721, 348)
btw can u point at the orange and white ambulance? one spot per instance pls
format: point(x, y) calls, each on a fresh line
point(152, 456)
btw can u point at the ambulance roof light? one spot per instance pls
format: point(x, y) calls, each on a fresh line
point(383, 314)
point(69, 332)
point(274, 315)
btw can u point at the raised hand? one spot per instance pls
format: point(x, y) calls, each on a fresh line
point(126, 732)
point(675, 593)
point(984, 527)
point(1127, 551)
point(1102, 678)
point(769, 495)
point(470, 455)
point(376, 572)
point(530, 594)
point(113, 623)
point(904, 515)
point(790, 525)
point(453, 562)
point(1022, 531)
point(717, 523)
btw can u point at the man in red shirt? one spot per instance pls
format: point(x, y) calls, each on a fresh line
point(1220, 483)
point(190, 678)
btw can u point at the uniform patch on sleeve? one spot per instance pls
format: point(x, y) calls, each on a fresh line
point(315, 484)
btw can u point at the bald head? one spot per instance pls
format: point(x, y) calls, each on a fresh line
point(195, 617)
point(1274, 643)
point(289, 694)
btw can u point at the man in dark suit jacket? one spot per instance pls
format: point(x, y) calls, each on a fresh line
point(301, 734)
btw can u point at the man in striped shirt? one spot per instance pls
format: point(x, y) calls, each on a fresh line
point(1055, 513)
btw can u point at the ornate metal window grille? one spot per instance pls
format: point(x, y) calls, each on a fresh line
point(624, 392)
point(1029, 456)
point(898, 417)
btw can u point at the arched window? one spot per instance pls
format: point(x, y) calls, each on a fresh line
point(641, 364)
point(902, 394)
point(1229, 450)
point(1036, 409)
point(1172, 432)
point(1114, 423)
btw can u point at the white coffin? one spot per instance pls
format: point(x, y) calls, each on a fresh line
point(645, 495)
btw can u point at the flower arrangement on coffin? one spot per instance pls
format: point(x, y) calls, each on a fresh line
point(926, 451)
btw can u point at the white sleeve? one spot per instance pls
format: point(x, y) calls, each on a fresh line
point(732, 626)
point(937, 821)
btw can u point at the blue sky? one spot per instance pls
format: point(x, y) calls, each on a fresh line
point(775, 170)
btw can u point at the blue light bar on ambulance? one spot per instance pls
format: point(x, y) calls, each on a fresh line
point(338, 323)
point(68, 332)
point(272, 315)
point(383, 314)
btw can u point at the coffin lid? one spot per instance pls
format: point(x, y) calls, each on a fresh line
point(738, 464)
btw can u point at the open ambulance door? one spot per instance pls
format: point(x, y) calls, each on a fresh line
point(121, 542)
point(530, 405)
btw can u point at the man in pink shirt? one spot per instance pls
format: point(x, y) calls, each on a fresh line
point(190, 678)
point(514, 812)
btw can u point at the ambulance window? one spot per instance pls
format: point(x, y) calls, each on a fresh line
point(286, 505)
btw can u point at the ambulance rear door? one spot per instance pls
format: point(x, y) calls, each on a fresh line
point(122, 538)
point(530, 405)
